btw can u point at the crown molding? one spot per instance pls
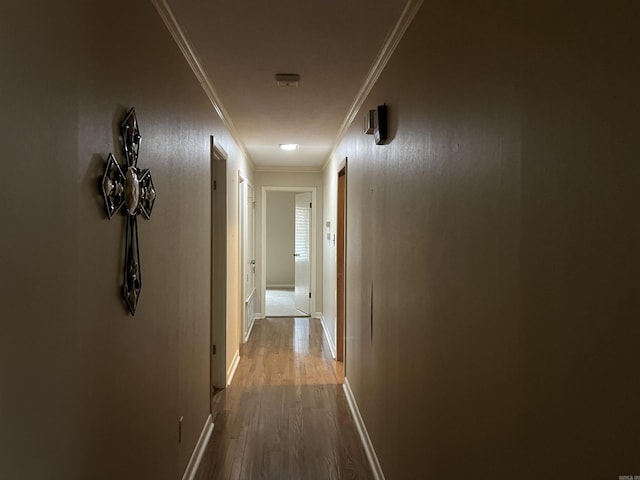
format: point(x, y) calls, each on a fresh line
point(393, 39)
point(169, 19)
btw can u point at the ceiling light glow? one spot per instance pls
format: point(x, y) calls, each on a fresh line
point(289, 146)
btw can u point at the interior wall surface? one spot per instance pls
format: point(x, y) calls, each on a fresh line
point(89, 391)
point(281, 211)
point(290, 179)
point(492, 244)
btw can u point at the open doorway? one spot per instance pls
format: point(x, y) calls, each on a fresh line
point(341, 265)
point(288, 263)
point(218, 266)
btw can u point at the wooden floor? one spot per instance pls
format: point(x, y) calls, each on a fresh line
point(285, 415)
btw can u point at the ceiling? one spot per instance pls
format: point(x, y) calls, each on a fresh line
point(242, 44)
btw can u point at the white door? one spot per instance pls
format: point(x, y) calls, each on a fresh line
point(302, 252)
point(249, 260)
point(250, 242)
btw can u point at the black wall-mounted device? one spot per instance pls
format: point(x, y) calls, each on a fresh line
point(380, 124)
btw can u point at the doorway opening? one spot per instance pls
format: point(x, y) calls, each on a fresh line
point(341, 265)
point(219, 332)
point(288, 247)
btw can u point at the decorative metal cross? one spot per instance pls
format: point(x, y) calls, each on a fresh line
point(132, 187)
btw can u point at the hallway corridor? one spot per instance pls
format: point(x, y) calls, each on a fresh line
point(285, 415)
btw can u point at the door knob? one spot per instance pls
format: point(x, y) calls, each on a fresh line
point(296, 254)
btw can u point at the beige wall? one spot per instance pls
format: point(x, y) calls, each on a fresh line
point(87, 391)
point(499, 232)
point(281, 210)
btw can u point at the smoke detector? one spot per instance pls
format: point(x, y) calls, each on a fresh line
point(287, 79)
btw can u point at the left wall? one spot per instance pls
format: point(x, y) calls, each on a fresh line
point(86, 390)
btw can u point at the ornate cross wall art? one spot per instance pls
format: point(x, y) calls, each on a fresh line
point(132, 187)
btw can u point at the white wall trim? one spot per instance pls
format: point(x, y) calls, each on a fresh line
point(362, 431)
point(250, 296)
point(332, 345)
point(219, 262)
point(250, 329)
point(389, 46)
point(193, 60)
point(259, 316)
point(280, 285)
point(233, 367)
point(196, 456)
point(241, 237)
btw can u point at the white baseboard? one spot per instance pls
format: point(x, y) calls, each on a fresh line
point(259, 316)
point(362, 431)
point(196, 456)
point(233, 367)
point(281, 285)
point(325, 330)
point(253, 320)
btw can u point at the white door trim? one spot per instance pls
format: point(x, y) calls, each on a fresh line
point(242, 232)
point(263, 241)
point(245, 230)
point(219, 260)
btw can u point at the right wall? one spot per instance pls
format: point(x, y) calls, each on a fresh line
point(493, 320)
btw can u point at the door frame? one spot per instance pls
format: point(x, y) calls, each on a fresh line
point(263, 243)
point(242, 205)
point(218, 300)
point(245, 231)
point(341, 262)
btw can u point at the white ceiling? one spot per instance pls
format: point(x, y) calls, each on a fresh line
point(331, 44)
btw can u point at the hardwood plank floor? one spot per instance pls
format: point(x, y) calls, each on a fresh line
point(285, 415)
